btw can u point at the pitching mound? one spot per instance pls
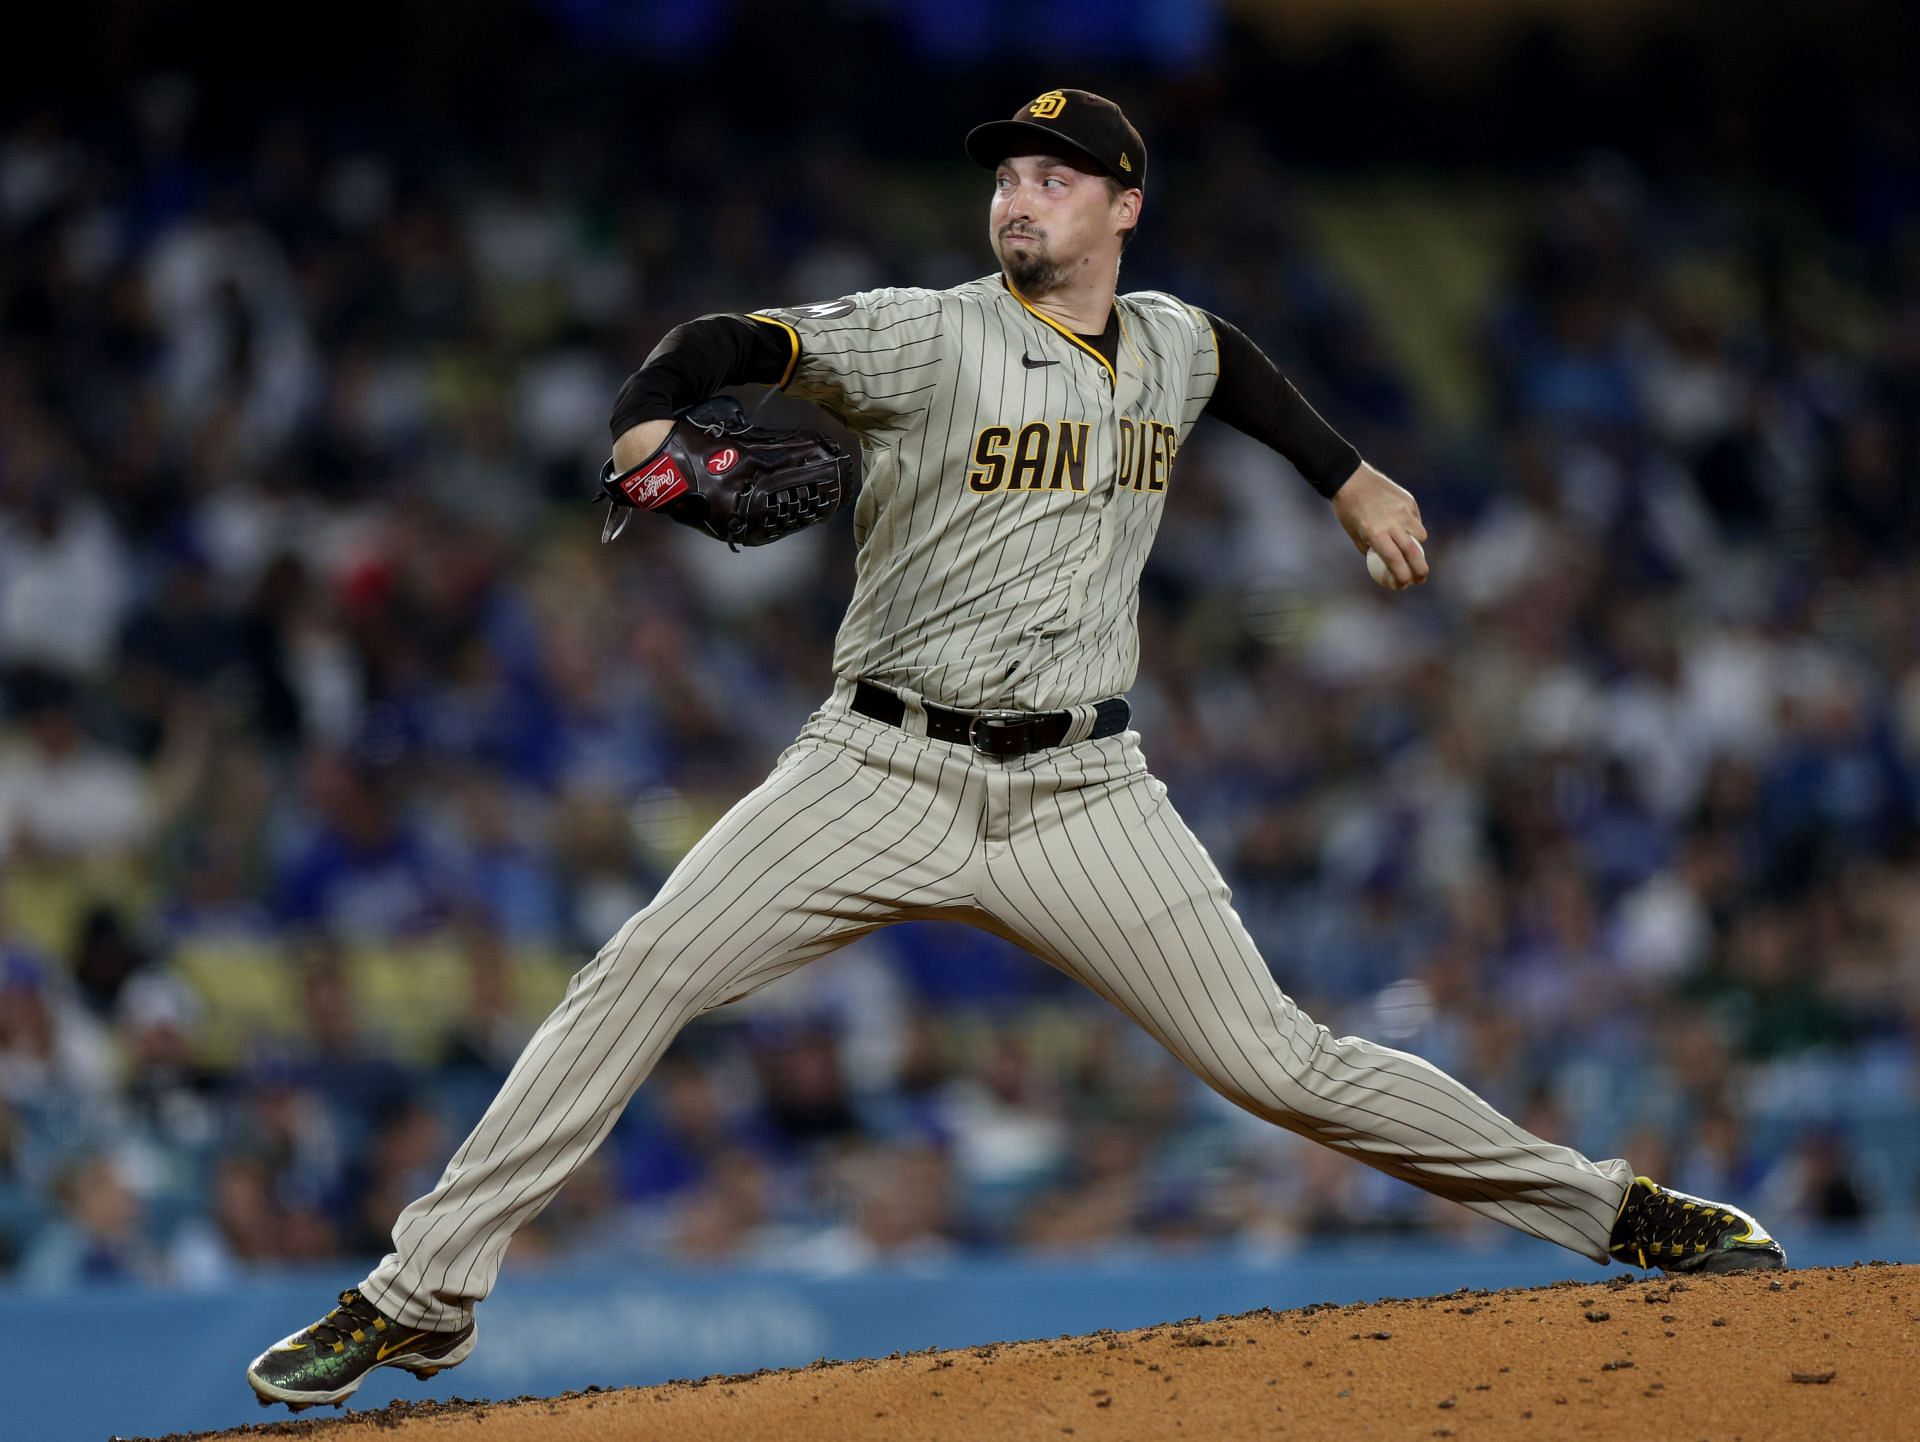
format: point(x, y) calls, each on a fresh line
point(1794, 1355)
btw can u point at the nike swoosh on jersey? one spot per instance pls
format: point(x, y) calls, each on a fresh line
point(1033, 365)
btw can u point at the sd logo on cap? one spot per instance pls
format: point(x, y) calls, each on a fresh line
point(1075, 125)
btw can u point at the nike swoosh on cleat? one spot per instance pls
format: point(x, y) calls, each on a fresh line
point(390, 1348)
point(1033, 365)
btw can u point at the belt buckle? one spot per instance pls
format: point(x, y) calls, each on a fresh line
point(1016, 722)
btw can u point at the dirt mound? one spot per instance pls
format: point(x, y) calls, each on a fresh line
point(1792, 1355)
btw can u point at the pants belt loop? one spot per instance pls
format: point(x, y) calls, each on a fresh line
point(914, 723)
point(1085, 717)
point(840, 699)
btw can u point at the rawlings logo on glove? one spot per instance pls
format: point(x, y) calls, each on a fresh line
point(653, 486)
point(735, 481)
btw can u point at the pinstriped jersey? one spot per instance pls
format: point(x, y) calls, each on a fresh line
point(1013, 484)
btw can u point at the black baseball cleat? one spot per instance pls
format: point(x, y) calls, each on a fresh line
point(1659, 1227)
point(327, 1362)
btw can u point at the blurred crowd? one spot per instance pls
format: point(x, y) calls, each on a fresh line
point(308, 648)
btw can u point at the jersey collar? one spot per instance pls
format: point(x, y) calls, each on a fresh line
point(1113, 380)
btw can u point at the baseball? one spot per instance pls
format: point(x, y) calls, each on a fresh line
point(1377, 568)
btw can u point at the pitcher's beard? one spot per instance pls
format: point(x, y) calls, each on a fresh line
point(1032, 273)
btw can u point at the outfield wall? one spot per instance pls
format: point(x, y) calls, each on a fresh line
point(84, 1366)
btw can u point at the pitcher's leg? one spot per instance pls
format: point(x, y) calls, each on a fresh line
point(1107, 882)
point(836, 842)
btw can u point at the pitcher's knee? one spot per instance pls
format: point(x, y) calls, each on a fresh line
point(1272, 1068)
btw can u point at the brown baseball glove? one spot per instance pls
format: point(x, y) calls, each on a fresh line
point(732, 480)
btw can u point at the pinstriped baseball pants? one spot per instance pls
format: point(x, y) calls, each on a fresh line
point(1075, 855)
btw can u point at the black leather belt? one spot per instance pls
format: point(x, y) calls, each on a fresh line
point(992, 733)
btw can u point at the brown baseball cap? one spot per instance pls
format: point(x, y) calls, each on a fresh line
point(1075, 125)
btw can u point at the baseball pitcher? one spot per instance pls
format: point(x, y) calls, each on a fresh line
point(974, 761)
